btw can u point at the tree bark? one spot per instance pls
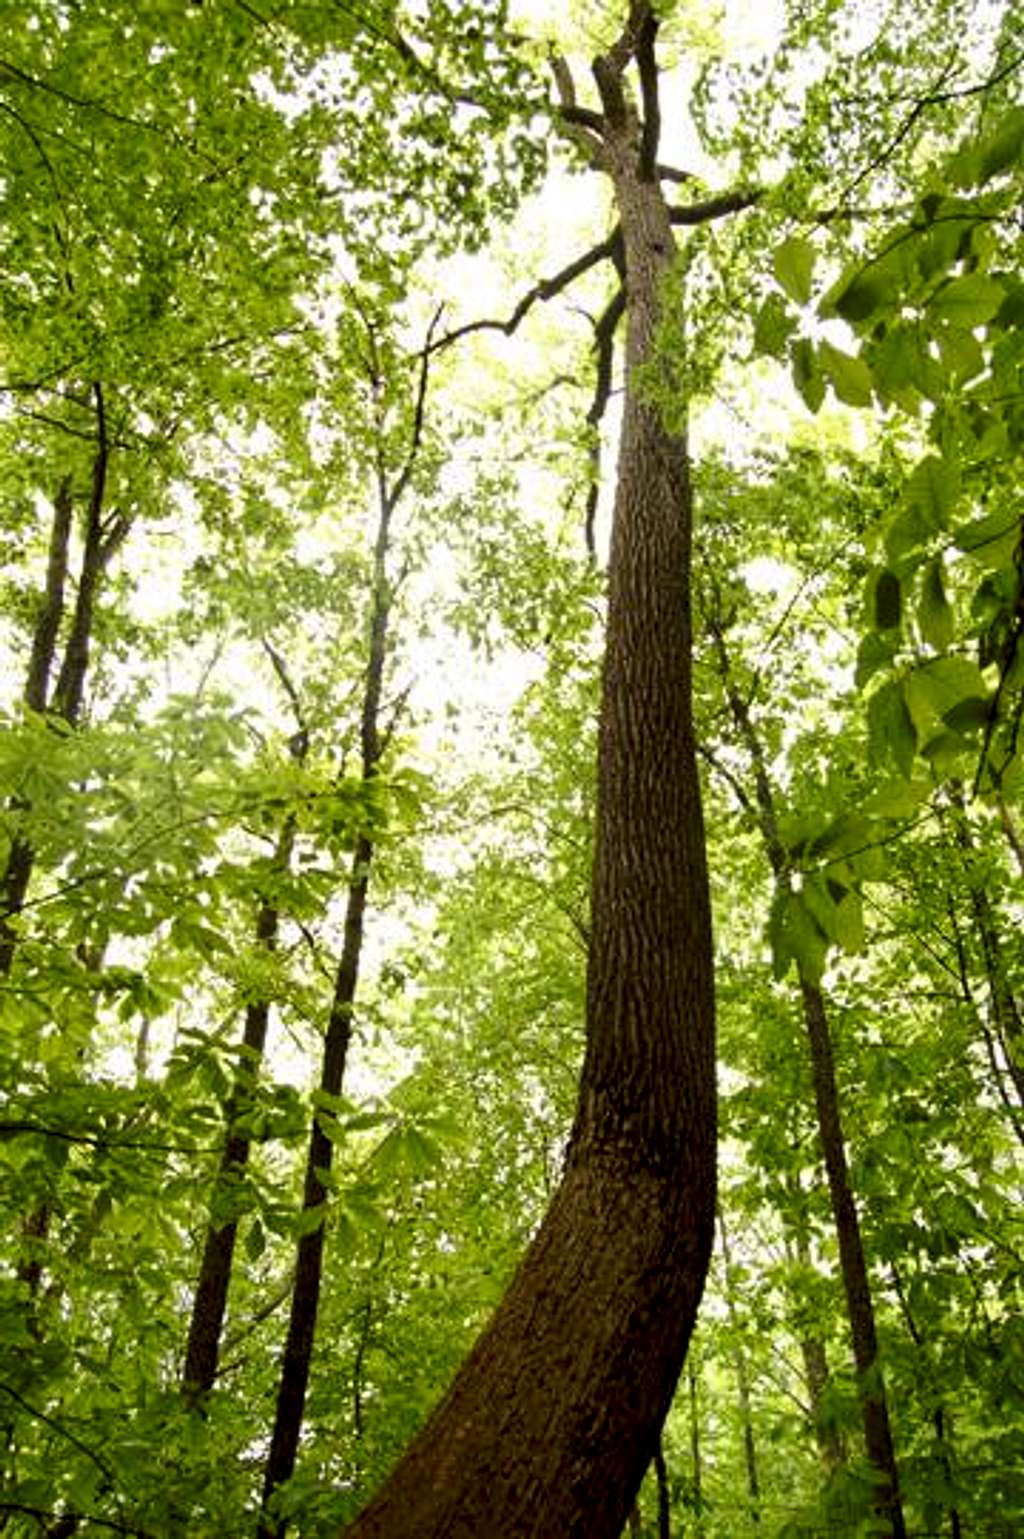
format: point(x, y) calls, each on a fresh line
point(551, 1422)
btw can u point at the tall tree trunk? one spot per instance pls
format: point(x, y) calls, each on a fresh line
point(697, 1485)
point(739, 1358)
point(298, 1349)
point(1004, 1013)
point(664, 1496)
point(551, 1422)
point(18, 866)
point(210, 1303)
point(856, 1284)
point(816, 1370)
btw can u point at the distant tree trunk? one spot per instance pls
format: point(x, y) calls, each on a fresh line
point(697, 1486)
point(939, 1416)
point(664, 1495)
point(856, 1284)
point(816, 1370)
point(551, 1422)
point(18, 866)
point(739, 1357)
point(210, 1303)
point(1004, 1013)
point(298, 1349)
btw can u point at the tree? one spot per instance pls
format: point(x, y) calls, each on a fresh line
point(618, 1265)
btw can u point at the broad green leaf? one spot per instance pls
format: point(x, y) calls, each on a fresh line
point(851, 377)
point(888, 607)
point(807, 375)
point(255, 1240)
point(891, 730)
point(991, 540)
point(860, 296)
point(1002, 149)
point(936, 687)
point(773, 327)
point(794, 268)
point(967, 301)
point(898, 799)
point(933, 488)
point(874, 652)
point(969, 715)
point(934, 611)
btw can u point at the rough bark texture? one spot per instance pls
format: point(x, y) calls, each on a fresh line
point(551, 1422)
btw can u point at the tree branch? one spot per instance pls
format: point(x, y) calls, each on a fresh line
point(546, 289)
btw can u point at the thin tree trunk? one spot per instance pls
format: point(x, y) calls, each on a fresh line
point(739, 1357)
point(1003, 1010)
point(697, 1487)
point(856, 1285)
point(298, 1349)
point(938, 1411)
point(551, 1422)
point(816, 1373)
point(18, 867)
point(210, 1303)
point(664, 1495)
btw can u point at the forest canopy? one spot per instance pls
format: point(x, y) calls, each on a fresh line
point(512, 567)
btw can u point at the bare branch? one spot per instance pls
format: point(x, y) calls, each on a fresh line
point(715, 208)
point(647, 65)
point(546, 289)
point(398, 490)
point(604, 341)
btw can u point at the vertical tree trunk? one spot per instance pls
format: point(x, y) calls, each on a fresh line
point(210, 1303)
point(697, 1485)
point(298, 1349)
point(664, 1496)
point(18, 867)
point(551, 1422)
point(739, 1357)
point(856, 1285)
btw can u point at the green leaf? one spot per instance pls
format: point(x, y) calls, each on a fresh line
point(773, 327)
point(1002, 149)
point(897, 799)
point(794, 268)
point(991, 540)
point(933, 489)
point(891, 730)
point(936, 687)
point(969, 715)
point(807, 375)
point(968, 301)
point(874, 652)
point(851, 377)
point(255, 1240)
point(858, 297)
point(934, 611)
point(888, 607)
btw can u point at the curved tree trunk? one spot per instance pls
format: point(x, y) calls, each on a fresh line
point(551, 1422)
